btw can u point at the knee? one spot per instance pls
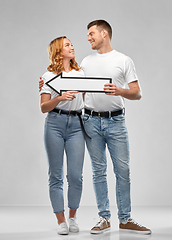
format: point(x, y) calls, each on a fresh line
point(124, 175)
point(55, 182)
point(122, 171)
point(74, 179)
point(99, 175)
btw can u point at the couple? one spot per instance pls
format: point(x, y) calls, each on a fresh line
point(104, 122)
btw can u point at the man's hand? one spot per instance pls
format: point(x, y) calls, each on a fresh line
point(111, 89)
point(41, 83)
point(133, 93)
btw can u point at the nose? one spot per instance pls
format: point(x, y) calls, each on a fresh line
point(72, 47)
point(89, 38)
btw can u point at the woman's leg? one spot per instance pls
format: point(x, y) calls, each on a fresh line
point(75, 148)
point(72, 213)
point(54, 144)
point(60, 217)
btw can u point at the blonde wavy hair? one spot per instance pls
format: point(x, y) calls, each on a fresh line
point(56, 57)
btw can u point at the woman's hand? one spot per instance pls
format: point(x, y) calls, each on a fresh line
point(68, 96)
point(47, 104)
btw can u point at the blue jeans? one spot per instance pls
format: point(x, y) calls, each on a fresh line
point(113, 133)
point(63, 132)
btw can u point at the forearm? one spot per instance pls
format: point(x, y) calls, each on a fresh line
point(131, 94)
point(49, 105)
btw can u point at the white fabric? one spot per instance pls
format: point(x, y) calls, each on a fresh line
point(77, 103)
point(113, 65)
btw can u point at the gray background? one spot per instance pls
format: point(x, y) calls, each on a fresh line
point(142, 30)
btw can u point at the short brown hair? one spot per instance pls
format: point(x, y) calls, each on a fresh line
point(101, 23)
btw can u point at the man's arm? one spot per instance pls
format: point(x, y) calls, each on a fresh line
point(133, 93)
point(41, 83)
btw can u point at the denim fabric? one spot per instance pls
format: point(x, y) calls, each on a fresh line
point(63, 133)
point(110, 132)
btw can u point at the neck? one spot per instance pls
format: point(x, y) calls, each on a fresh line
point(66, 64)
point(105, 48)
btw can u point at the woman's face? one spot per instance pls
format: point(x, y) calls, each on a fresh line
point(68, 49)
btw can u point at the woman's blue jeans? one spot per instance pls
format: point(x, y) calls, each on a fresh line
point(63, 133)
point(113, 133)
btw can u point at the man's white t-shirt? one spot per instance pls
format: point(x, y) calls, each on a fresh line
point(113, 65)
point(74, 105)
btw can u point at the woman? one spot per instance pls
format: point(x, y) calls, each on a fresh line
point(63, 132)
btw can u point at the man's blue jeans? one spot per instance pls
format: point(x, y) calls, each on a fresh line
point(63, 132)
point(113, 133)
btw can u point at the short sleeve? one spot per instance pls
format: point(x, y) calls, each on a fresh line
point(45, 89)
point(130, 71)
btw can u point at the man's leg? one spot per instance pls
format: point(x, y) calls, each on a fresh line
point(117, 141)
point(97, 150)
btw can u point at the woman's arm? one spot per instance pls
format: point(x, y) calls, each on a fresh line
point(47, 104)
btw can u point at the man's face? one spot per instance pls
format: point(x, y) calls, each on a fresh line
point(95, 37)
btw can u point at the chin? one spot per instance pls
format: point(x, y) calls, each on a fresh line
point(93, 47)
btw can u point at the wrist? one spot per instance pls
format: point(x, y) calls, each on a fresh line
point(121, 92)
point(60, 98)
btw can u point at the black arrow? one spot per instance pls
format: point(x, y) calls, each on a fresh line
point(82, 84)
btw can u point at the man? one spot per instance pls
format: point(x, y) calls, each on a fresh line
point(104, 122)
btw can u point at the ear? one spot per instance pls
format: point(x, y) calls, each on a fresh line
point(104, 33)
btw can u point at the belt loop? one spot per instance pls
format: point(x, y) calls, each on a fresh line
point(91, 113)
point(59, 111)
point(123, 111)
point(109, 114)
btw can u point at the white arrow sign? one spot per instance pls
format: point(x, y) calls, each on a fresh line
point(82, 84)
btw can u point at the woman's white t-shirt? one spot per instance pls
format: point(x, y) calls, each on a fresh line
point(74, 105)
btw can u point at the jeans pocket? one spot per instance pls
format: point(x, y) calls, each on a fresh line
point(119, 118)
point(52, 115)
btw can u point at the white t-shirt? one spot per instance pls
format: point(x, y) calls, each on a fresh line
point(113, 65)
point(74, 105)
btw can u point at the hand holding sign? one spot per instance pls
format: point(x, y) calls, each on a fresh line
point(68, 96)
point(111, 89)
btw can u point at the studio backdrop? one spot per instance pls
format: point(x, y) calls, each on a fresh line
point(141, 30)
